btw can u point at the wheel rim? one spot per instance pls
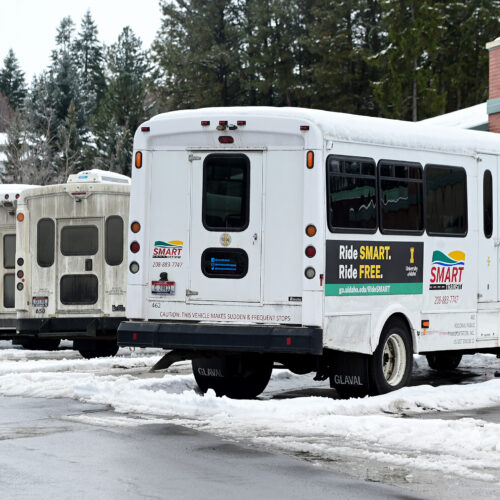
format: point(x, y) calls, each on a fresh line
point(394, 359)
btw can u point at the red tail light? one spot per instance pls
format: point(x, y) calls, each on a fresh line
point(134, 247)
point(310, 251)
point(226, 139)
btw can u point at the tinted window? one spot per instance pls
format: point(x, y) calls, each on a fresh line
point(352, 194)
point(8, 291)
point(224, 263)
point(114, 240)
point(45, 242)
point(401, 193)
point(79, 289)
point(9, 251)
point(487, 204)
point(79, 240)
point(226, 182)
point(446, 200)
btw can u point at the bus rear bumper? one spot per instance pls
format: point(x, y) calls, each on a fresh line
point(219, 337)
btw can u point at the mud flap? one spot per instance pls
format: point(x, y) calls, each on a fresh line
point(349, 373)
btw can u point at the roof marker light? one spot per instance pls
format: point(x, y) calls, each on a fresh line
point(145, 129)
point(223, 122)
point(304, 127)
point(240, 123)
point(205, 123)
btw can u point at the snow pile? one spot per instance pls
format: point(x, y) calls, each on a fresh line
point(382, 428)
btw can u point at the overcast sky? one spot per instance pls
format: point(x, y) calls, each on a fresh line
point(29, 26)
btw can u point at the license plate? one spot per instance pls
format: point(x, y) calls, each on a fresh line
point(40, 301)
point(163, 287)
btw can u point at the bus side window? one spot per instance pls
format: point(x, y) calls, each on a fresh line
point(351, 194)
point(446, 200)
point(401, 195)
point(487, 204)
point(45, 242)
point(114, 240)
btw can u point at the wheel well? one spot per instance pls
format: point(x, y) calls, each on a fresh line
point(403, 318)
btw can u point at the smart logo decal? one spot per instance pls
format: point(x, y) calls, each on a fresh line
point(447, 270)
point(168, 250)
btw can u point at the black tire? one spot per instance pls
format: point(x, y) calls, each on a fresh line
point(235, 376)
point(36, 344)
point(101, 349)
point(443, 361)
point(391, 365)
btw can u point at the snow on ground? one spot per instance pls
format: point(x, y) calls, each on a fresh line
point(385, 429)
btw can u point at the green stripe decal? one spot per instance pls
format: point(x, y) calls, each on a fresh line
point(374, 289)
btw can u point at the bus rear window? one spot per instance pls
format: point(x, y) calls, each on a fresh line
point(446, 200)
point(226, 184)
point(79, 289)
point(79, 240)
point(45, 242)
point(9, 251)
point(114, 240)
point(352, 194)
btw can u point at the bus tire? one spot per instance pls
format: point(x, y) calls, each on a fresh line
point(102, 349)
point(443, 361)
point(37, 344)
point(391, 364)
point(237, 377)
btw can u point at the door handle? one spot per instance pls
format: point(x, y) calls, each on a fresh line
point(88, 264)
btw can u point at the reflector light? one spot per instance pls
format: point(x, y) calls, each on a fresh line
point(310, 251)
point(138, 159)
point(134, 247)
point(310, 159)
point(223, 123)
point(135, 227)
point(20, 261)
point(20, 216)
point(241, 122)
point(134, 267)
point(134, 336)
point(304, 127)
point(205, 123)
point(311, 230)
point(20, 286)
point(144, 129)
point(20, 274)
point(310, 273)
point(289, 341)
point(226, 139)
point(425, 323)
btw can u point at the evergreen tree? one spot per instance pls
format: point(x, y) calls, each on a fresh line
point(124, 105)
point(88, 54)
point(409, 86)
point(6, 113)
point(272, 34)
point(198, 53)
point(69, 146)
point(12, 83)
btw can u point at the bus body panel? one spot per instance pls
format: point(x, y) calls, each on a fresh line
point(448, 281)
point(83, 277)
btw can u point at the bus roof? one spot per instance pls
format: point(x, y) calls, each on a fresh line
point(341, 127)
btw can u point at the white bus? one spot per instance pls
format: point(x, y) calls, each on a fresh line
point(9, 194)
point(325, 242)
point(71, 263)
